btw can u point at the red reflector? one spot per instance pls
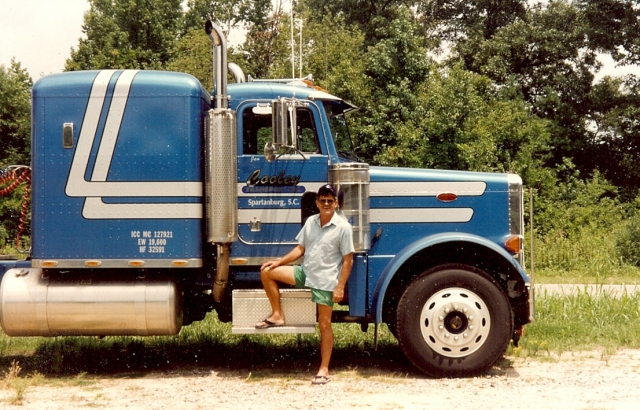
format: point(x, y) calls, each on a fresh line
point(447, 197)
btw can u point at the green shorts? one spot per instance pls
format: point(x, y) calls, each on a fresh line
point(323, 297)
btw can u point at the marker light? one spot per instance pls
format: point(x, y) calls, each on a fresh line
point(514, 243)
point(447, 197)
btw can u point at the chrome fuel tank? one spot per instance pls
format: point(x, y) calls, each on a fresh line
point(34, 303)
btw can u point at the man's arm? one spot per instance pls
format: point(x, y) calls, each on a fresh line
point(295, 254)
point(347, 263)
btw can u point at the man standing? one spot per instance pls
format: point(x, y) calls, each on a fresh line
point(326, 241)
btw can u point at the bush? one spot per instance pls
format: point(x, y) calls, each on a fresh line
point(628, 242)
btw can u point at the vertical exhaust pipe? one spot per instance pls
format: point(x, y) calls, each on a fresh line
point(219, 44)
point(221, 168)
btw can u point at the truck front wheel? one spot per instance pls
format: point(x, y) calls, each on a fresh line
point(454, 320)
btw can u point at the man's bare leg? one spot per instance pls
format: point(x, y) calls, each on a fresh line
point(270, 279)
point(326, 338)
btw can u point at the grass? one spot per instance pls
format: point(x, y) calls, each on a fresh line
point(208, 343)
point(18, 384)
point(588, 256)
point(582, 321)
point(576, 322)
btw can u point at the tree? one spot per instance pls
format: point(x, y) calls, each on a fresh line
point(395, 69)
point(127, 34)
point(463, 122)
point(15, 115)
point(333, 51)
point(265, 44)
point(15, 120)
point(456, 21)
point(615, 131)
point(613, 26)
point(368, 17)
point(226, 13)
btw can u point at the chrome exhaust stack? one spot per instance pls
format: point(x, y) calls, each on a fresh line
point(221, 170)
point(219, 44)
point(237, 72)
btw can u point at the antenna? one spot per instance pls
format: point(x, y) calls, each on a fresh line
point(293, 53)
point(300, 53)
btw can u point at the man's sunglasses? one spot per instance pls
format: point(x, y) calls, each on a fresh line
point(326, 201)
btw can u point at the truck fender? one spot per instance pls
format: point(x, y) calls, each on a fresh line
point(407, 252)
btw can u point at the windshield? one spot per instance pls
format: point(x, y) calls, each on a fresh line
point(340, 129)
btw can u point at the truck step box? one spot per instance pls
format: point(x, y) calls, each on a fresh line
point(251, 306)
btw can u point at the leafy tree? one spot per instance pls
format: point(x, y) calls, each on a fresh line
point(15, 119)
point(265, 44)
point(15, 115)
point(456, 21)
point(192, 55)
point(368, 17)
point(615, 131)
point(544, 55)
point(613, 26)
point(464, 122)
point(336, 58)
point(127, 34)
point(226, 13)
point(395, 68)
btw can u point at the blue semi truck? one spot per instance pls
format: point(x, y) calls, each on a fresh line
point(155, 202)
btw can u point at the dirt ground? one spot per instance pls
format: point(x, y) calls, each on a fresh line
point(590, 380)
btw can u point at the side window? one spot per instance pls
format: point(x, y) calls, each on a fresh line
point(307, 135)
point(256, 132)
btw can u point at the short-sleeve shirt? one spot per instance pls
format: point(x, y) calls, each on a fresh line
point(324, 247)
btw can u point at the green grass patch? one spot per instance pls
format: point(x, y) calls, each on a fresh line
point(588, 255)
point(582, 321)
point(208, 343)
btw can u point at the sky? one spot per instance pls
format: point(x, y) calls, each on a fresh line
point(41, 33)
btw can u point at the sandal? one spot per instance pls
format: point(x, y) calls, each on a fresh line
point(320, 380)
point(266, 323)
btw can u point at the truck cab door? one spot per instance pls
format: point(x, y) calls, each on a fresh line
point(270, 194)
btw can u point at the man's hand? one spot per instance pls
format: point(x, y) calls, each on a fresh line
point(268, 265)
point(338, 294)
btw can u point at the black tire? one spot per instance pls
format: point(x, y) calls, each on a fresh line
point(439, 336)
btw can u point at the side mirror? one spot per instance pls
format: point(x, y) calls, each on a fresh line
point(283, 111)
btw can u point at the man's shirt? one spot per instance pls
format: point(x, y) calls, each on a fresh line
point(324, 248)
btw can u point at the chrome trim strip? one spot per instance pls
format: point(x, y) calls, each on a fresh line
point(414, 189)
point(420, 215)
point(378, 215)
point(95, 208)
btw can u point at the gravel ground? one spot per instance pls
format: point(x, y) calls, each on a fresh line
point(588, 380)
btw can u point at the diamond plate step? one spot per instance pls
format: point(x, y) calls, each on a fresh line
point(251, 306)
